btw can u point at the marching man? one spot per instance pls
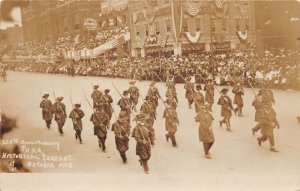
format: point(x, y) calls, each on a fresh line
point(59, 109)
point(76, 115)
point(46, 106)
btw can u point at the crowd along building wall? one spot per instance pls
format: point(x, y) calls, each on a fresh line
point(176, 27)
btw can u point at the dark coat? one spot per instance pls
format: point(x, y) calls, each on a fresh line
point(205, 132)
point(226, 106)
point(76, 115)
point(100, 120)
point(121, 136)
point(238, 92)
point(171, 121)
point(60, 113)
point(199, 100)
point(209, 93)
point(47, 111)
point(143, 146)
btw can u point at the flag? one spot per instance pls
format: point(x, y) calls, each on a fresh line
point(176, 8)
point(76, 56)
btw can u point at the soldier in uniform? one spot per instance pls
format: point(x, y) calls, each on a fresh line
point(189, 87)
point(170, 96)
point(257, 104)
point(149, 108)
point(171, 87)
point(100, 120)
point(268, 97)
point(76, 115)
point(96, 96)
point(60, 114)
point(46, 106)
point(107, 99)
point(143, 143)
point(124, 103)
point(134, 95)
point(209, 93)
point(121, 136)
point(226, 107)
point(154, 94)
point(171, 122)
point(238, 99)
point(267, 124)
point(198, 98)
point(205, 119)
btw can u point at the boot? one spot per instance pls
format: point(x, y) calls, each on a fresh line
point(220, 122)
point(167, 137)
point(146, 168)
point(259, 141)
point(173, 141)
point(76, 136)
point(273, 149)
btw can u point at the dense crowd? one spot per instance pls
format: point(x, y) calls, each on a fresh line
point(279, 70)
point(64, 43)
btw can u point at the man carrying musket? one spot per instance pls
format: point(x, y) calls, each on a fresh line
point(143, 143)
point(100, 120)
point(121, 136)
point(209, 93)
point(171, 122)
point(205, 119)
point(153, 92)
point(198, 98)
point(124, 103)
point(60, 113)
point(226, 107)
point(107, 99)
point(76, 115)
point(189, 91)
point(134, 95)
point(46, 106)
point(238, 99)
point(96, 96)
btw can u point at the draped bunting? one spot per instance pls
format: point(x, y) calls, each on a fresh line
point(220, 12)
point(219, 3)
point(193, 39)
point(176, 8)
point(241, 35)
point(152, 39)
point(192, 8)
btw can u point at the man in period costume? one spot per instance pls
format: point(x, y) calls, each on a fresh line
point(60, 114)
point(198, 98)
point(205, 119)
point(124, 103)
point(143, 143)
point(76, 115)
point(238, 99)
point(121, 136)
point(209, 93)
point(226, 107)
point(96, 96)
point(134, 95)
point(107, 99)
point(100, 120)
point(171, 122)
point(189, 87)
point(47, 112)
point(154, 94)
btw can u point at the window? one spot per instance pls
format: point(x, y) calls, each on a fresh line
point(247, 24)
point(185, 25)
point(213, 24)
point(224, 24)
point(237, 24)
point(198, 24)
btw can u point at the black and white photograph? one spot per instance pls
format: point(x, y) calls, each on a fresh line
point(149, 95)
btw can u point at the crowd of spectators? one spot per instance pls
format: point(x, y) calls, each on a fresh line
point(65, 43)
point(279, 69)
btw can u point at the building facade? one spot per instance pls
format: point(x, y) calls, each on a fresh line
point(48, 20)
point(187, 26)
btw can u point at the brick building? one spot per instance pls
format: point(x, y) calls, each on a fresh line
point(48, 20)
point(162, 26)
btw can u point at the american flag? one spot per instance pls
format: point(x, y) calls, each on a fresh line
point(219, 3)
point(76, 56)
point(192, 8)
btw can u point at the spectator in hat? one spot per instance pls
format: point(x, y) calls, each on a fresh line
point(171, 122)
point(47, 111)
point(134, 95)
point(100, 120)
point(205, 120)
point(226, 107)
point(96, 96)
point(76, 115)
point(59, 110)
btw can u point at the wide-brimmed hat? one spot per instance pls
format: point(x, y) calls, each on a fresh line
point(60, 98)
point(125, 92)
point(224, 90)
point(77, 105)
point(106, 90)
point(96, 86)
point(45, 95)
point(132, 82)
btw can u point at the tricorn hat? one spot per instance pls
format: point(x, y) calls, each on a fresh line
point(224, 90)
point(60, 98)
point(45, 95)
point(77, 105)
point(125, 92)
